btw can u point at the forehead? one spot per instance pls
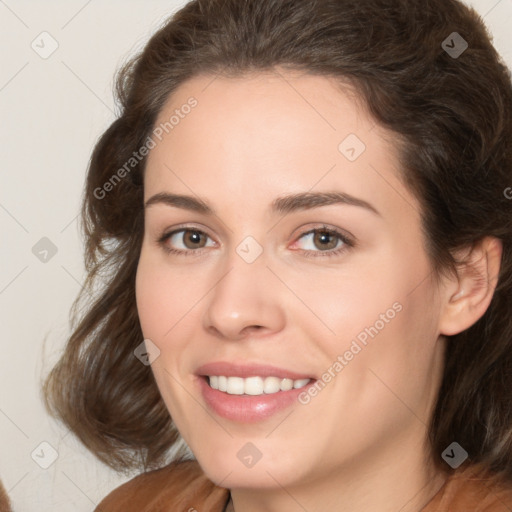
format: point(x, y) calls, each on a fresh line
point(276, 106)
point(271, 132)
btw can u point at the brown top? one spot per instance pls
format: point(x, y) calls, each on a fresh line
point(4, 500)
point(183, 487)
point(180, 487)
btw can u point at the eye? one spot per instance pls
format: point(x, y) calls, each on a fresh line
point(330, 241)
point(187, 240)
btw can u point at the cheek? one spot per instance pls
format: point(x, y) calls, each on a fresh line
point(399, 358)
point(354, 302)
point(165, 298)
point(150, 292)
point(386, 318)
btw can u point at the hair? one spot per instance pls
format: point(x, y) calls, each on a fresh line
point(452, 120)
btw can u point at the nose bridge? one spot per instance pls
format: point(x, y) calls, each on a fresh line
point(246, 296)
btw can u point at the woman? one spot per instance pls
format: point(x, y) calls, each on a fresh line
point(305, 245)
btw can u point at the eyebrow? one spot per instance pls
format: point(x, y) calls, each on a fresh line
point(281, 205)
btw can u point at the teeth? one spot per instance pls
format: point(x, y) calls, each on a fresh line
point(254, 385)
point(223, 383)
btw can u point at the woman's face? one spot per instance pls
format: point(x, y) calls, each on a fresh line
point(299, 255)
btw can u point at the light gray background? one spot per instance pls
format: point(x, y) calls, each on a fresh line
point(52, 112)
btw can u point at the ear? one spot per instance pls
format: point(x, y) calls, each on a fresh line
point(467, 297)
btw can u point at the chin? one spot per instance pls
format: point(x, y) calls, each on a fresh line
point(227, 470)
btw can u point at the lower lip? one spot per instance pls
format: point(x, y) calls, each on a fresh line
point(248, 408)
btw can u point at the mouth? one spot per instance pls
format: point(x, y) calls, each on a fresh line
point(247, 393)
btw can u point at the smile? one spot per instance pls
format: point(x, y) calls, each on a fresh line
point(254, 385)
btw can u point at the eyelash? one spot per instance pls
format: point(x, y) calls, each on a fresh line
point(348, 243)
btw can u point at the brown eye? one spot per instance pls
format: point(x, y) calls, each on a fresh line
point(192, 239)
point(322, 240)
point(184, 241)
point(325, 240)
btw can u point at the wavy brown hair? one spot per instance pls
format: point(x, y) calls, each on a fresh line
point(453, 118)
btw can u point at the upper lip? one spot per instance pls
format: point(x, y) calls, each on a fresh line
point(248, 370)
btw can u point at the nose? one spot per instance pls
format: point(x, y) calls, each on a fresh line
point(245, 301)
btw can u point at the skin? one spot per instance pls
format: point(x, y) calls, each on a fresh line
point(359, 444)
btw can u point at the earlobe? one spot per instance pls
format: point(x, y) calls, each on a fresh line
point(466, 300)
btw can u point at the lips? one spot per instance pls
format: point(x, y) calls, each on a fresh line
point(247, 408)
point(249, 370)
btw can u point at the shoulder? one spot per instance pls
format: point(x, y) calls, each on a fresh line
point(472, 489)
point(180, 486)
